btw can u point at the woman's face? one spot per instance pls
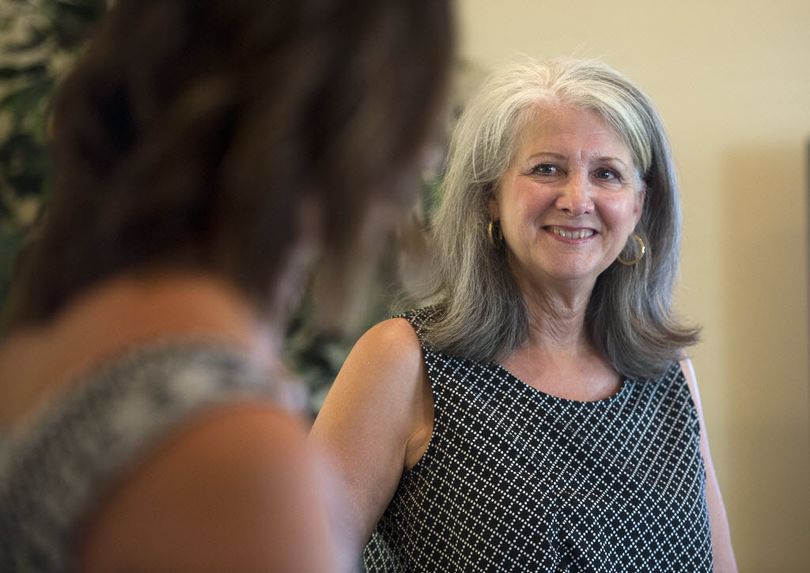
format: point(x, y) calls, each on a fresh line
point(570, 199)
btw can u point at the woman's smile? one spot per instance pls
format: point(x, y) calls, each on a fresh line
point(574, 235)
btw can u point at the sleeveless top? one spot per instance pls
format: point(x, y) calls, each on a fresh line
point(58, 464)
point(517, 480)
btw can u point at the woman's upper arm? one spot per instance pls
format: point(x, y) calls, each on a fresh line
point(368, 420)
point(236, 490)
point(724, 560)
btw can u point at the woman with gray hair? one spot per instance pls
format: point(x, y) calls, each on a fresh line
point(541, 413)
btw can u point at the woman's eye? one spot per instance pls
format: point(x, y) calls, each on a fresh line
point(607, 175)
point(545, 169)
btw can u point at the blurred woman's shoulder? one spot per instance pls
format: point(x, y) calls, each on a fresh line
point(220, 482)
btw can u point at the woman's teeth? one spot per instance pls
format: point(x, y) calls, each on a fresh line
point(581, 234)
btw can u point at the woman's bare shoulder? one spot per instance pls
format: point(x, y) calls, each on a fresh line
point(391, 346)
point(394, 331)
point(234, 490)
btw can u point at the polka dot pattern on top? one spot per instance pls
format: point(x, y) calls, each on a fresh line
point(517, 480)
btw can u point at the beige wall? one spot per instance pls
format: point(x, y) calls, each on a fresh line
point(732, 81)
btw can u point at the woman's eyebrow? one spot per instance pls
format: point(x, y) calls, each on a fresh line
point(552, 154)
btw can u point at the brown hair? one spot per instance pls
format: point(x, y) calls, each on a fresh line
point(192, 131)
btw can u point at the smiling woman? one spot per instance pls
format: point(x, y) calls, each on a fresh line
point(569, 201)
point(541, 415)
point(484, 314)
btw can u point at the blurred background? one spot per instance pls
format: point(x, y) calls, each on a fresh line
point(732, 82)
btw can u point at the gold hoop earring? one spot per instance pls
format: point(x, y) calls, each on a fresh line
point(642, 248)
point(495, 235)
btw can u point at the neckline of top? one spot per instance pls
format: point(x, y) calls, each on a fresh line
point(624, 389)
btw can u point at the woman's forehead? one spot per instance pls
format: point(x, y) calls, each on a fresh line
point(563, 129)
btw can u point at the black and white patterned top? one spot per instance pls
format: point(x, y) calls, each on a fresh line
point(55, 468)
point(517, 480)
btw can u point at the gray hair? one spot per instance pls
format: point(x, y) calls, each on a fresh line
point(482, 315)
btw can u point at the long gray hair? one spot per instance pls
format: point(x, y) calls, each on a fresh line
point(482, 313)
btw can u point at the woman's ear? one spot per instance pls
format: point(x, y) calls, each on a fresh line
point(492, 205)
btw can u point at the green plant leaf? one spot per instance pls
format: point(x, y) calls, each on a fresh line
point(9, 72)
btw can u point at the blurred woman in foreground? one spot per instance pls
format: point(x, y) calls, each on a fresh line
point(206, 153)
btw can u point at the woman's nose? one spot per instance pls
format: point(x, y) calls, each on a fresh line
point(575, 197)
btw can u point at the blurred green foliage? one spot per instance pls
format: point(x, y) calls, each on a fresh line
point(39, 39)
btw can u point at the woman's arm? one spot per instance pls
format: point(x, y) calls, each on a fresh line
point(375, 422)
point(724, 561)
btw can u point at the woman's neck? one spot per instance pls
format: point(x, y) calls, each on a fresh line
point(558, 356)
point(556, 320)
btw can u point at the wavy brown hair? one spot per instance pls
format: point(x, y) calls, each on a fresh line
point(192, 131)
